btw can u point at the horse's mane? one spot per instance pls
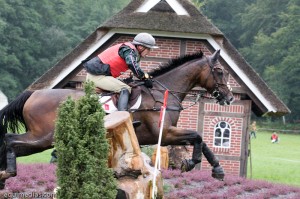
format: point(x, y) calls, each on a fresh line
point(174, 63)
point(171, 64)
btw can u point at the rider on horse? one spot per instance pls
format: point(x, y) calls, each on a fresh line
point(108, 65)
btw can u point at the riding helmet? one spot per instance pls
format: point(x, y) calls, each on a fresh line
point(144, 39)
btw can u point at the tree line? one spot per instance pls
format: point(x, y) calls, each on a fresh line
point(36, 34)
point(266, 33)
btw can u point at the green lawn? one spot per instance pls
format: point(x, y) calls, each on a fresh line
point(276, 162)
point(42, 157)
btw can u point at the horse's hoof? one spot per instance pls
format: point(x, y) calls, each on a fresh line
point(218, 173)
point(2, 174)
point(187, 165)
point(5, 175)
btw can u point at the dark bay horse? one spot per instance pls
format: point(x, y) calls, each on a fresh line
point(36, 110)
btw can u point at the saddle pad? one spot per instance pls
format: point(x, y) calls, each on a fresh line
point(109, 106)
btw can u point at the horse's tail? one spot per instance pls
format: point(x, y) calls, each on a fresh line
point(11, 116)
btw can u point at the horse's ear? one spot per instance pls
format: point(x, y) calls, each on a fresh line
point(215, 56)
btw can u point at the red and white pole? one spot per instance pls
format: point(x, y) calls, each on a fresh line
point(161, 125)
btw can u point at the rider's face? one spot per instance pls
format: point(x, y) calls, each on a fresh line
point(144, 51)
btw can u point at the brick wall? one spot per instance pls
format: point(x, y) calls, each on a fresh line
point(189, 118)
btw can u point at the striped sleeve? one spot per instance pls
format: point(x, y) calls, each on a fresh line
point(132, 60)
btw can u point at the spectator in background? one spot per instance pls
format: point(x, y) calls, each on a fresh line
point(274, 138)
point(253, 130)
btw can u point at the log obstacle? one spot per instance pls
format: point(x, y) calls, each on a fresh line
point(131, 166)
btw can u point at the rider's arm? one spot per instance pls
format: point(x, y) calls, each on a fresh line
point(132, 60)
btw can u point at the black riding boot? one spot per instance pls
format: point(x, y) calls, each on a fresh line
point(123, 100)
point(123, 104)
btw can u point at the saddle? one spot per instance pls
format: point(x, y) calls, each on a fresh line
point(109, 99)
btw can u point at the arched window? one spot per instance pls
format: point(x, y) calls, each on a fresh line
point(222, 135)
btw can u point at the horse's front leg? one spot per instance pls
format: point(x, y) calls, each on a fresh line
point(217, 171)
point(183, 137)
point(177, 136)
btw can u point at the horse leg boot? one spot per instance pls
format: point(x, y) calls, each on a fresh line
point(188, 165)
point(217, 171)
point(11, 169)
point(123, 104)
point(11, 159)
point(2, 162)
point(11, 163)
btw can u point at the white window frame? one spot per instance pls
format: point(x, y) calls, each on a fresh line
point(222, 138)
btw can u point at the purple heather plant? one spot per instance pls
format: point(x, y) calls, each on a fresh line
point(168, 174)
point(233, 180)
point(233, 191)
point(50, 186)
point(250, 186)
point(194, 184)
point(32, 177)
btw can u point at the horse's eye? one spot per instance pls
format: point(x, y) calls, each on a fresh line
point(219, 71)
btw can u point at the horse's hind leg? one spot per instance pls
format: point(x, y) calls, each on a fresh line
point(2, 163)
point(22, 145)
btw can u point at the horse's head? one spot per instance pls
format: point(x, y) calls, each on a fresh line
point(216, 81)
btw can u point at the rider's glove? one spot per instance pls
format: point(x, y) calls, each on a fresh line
point(147, 80)
point(146, 76)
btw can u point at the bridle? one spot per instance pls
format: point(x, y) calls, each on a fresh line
point(216, 93)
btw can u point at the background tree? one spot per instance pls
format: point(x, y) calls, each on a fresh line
point(266, 33)
point(36, 34)
point(225, 15)
point(83, 149)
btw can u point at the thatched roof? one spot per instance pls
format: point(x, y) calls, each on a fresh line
point(159, 18)
point(167, 18)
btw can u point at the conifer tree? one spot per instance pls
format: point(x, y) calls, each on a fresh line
point(83, 149)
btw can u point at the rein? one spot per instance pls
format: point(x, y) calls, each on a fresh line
point(215, 93)
point(173, 93)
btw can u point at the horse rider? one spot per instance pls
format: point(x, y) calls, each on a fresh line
point(108, 65)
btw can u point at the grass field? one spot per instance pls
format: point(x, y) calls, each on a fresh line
point(275, 162)
point(272, 162)
point(42, 157)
